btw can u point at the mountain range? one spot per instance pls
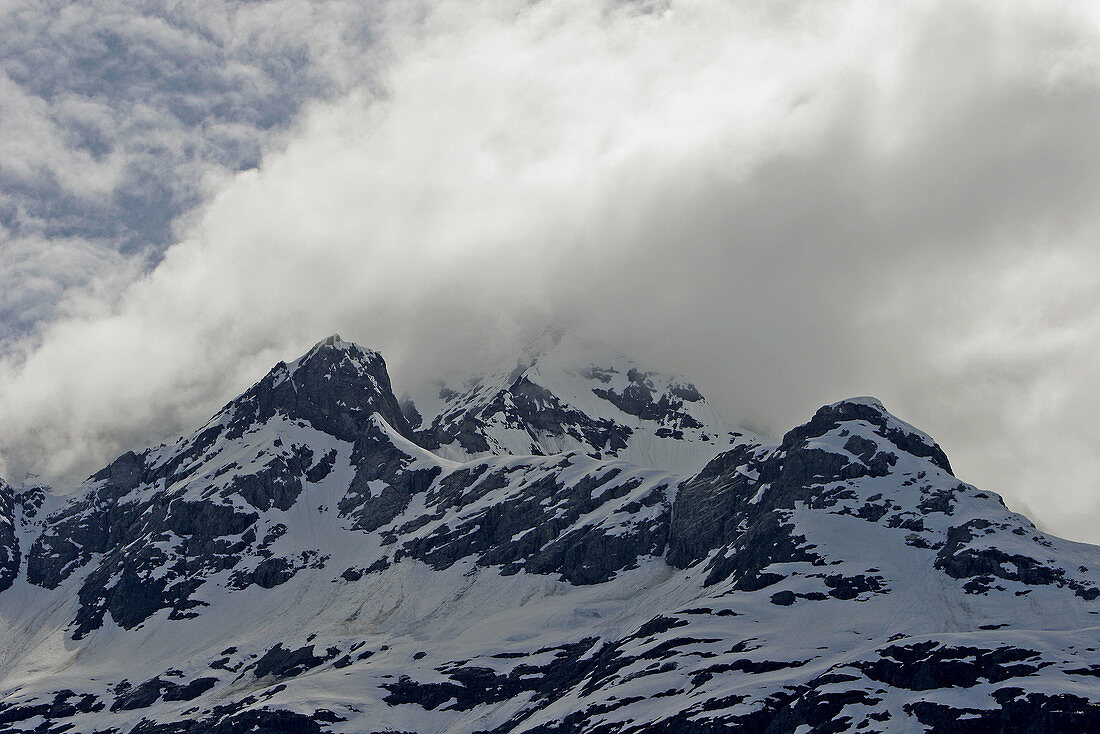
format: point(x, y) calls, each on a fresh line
point(563, 546)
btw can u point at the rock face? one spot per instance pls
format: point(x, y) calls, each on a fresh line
point(9, 541)
point(309, 560)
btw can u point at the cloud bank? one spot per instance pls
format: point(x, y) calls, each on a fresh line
point(790, 203)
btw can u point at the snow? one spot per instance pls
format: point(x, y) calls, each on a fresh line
point(573, 381)
point(426, 622)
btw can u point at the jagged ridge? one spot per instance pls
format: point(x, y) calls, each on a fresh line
point(303, 563)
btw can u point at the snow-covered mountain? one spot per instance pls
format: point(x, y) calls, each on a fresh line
point(536, 553)
point(558, 399)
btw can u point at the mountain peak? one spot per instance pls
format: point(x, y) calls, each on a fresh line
point(333, 340)
point(334, 343)
point(334, 351)
point(868, 414)
point(336, 386)
point(566, 395)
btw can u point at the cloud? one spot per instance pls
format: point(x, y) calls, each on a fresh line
point(118, 118)
point(54, 278)
point(791, 203)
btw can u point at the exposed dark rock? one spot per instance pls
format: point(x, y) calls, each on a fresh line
point(960, 560)
point(832, 416)
point(708, 510)
point(336, 387)
point(767, 542)
point(928, 665)
point(1016, 713)
point(412, 415)
point(250, 720)
point(379, 463)
point(474, 686)
point(322, 468)
point(849, 587)
point(267, 575)
point(741, 501)
point(61, 707)
point(283, 663)
point(121, 476)
point(526, 531)
point(9, 540)
point(686, 391)
point(154, 689)
point(784, 598)
point(743, 666)
point(529, 407)
point(277, 484)
point(123, 582)
point(941, 500)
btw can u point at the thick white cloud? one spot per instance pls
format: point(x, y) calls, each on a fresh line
point(790, 202)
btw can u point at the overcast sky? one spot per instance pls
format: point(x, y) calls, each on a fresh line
point(789, 203)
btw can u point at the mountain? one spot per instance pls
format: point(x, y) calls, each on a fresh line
point(557, 399)
point(513, 559)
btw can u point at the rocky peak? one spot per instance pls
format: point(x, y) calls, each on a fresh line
point(562, 396)
point(743, 497)
point(336, 386)
point(866, 415)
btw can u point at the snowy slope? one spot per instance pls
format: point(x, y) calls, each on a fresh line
point(557, 398)
point(304, 563)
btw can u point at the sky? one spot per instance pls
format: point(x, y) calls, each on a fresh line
point(789, 203)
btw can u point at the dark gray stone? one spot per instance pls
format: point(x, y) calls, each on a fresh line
point(10, 555)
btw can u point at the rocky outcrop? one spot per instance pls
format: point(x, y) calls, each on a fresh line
point(336, 387)
point(9, 540)
point(742, 502)
point(532, 520)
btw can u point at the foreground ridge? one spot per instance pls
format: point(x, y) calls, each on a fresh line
point(563, 547)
